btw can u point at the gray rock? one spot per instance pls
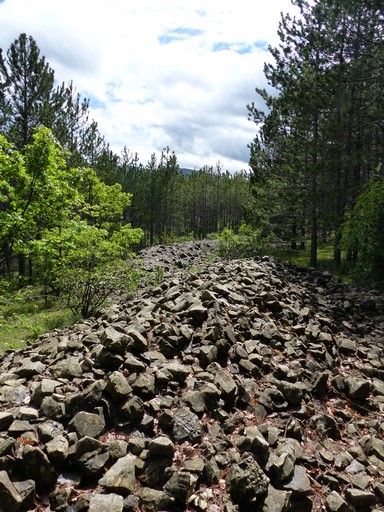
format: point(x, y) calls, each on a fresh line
point(6, 419)
point(300, 483)
point(181, 486)
point(85, 400)
point(195, 400)
point(335, 503)
point(359, 498)
point(36, 465)
point(292, 391)
point(118, 386)
point(57, 448)
point(377, 448)
point(138, 343)
point(120, 477)
point(277, 500)
point(31, 368)
point(27, 492)
point(59, 499)
point(133, 409)
point(153, 500)
point(52, 408)
point(67, 369)
point(358, 389)
point(346, 346)
point(10, 498)
point(226, 384)
point(144, 385)
point(281, 467)
point(246, 481)
point(48, 430)
point(161, 446)
point(131, 503)
point(186, 426)
point(114, 340)
point(88, 424)
point(103, 502)
point(89, 455)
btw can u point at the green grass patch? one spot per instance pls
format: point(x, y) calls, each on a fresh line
point(324, 260)
point(24, 317)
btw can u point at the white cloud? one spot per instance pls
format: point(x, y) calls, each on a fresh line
point(172, 73)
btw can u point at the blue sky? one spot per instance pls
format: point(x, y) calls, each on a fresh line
point(172, 73)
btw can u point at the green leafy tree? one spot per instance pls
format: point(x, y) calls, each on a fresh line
point(37, 191)
point(363, 234)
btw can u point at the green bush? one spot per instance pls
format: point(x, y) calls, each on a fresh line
point(363, 235)
point(248, 243)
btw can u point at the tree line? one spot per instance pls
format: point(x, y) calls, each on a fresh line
point(62, 187)
point(320, 139)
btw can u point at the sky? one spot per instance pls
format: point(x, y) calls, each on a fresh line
point(159, 73)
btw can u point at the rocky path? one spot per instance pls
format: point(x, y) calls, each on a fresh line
point(241, 386)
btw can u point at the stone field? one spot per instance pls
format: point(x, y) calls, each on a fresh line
point(249, 385)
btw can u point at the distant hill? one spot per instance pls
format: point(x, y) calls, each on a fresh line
point(185, 170)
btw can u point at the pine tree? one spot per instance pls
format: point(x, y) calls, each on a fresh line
point(323, 129)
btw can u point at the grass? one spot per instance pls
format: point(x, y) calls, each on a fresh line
point(24, 317)
point(324, 259)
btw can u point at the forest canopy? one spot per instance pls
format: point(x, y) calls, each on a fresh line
point(316, 158)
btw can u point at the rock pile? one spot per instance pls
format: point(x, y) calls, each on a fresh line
point(248, 385)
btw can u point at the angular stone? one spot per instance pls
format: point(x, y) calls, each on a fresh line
point(161, 446)
point(181, 485)
point(153, 500)
point(59, 499)
point(347, 346)
point(358, 389)
point(281, 467)
point(52, 408)
point(27, 492)
point(114, 340)
point(359, 498)
point(48, 430)
point(138, 343)
point(178, 371)
point(89, 455)
point(57, 448)
point(31, 368)
point(36, 465)
point(88, 424)
point(118, 386)
point(6, 419)
point(293, 392)
point(246, 481)
point(335, 503)
point(133, 409)
point(45, 387)
point(277, 500)
point(144, 385)
point(106, 502)
point(226, 384)
point(120, 477)
point(186, 426)
point(14, 394)
point(85, 400)
point(10, 498)
point(195, 400)
point(67, 369)
point(377, 448)
point(300, 482)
